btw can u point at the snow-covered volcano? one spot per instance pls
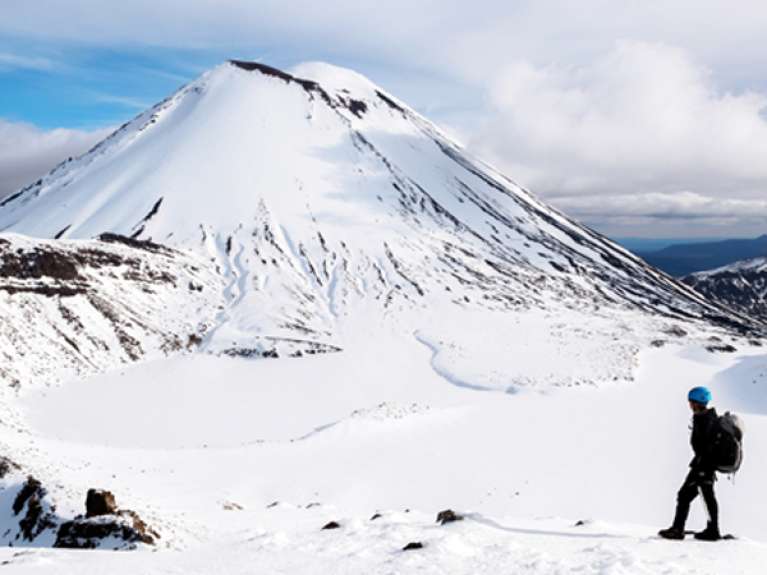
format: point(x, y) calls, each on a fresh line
point(317, 196)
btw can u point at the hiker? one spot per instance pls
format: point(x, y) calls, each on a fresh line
point(702, 475)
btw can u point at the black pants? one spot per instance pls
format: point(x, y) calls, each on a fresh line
point(697, 482)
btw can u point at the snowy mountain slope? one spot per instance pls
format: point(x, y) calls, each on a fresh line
point(741, 286)
point(321, 195)
point(85, 306)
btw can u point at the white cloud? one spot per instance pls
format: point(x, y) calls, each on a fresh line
point(124, 101)
point(26, 152)
point(678, 205)
point(15, 61)
point(642, 129)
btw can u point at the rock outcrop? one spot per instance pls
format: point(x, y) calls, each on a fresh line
point(104, 525)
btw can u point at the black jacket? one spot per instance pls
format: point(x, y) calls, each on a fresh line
point(704, 427)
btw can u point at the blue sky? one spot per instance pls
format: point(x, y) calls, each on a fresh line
point(641, 119)
point(91, 87)
point(66, 84)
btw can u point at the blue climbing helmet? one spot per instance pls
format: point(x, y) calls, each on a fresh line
point(699, 395)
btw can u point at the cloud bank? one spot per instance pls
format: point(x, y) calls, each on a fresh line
point(26, 152)
point(641, 131)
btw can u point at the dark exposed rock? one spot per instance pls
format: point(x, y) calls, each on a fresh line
point(658, 342)
point(308, 85)
point(727, 348)
point(194, 340)
point(12, 197)
point(332, 525)
point(37, 518)
point(44, 290)
point(448, 516)
point(61, 232)
point(389, 102)
point(104, 521)
point(51, 271)
point(357, 107)
point(90, 533)
point(7, 465)
point(134, 243)
point(153, 212)
point(263, 68)
point(99, 502)
point(28, 490)
point(282, 346)
point(676, 331)
point(413, 545)
point(376, 516)
point(38, 263)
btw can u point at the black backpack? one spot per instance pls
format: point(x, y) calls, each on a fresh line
point(727, 448)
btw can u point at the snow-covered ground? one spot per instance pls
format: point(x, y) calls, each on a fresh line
point(203, 447)
point(477, 545)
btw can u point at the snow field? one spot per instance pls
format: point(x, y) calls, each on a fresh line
point(349, 435)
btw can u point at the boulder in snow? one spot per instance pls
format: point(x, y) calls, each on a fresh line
point(99, 502)
point(104, 525)
point(332, 525)
point(448, 516)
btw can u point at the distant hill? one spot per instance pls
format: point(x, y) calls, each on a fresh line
point(649, 245)
point(684, 259)
point(741, 286)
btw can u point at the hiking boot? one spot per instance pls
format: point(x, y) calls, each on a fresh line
point(710, 533)
point(672, 533)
